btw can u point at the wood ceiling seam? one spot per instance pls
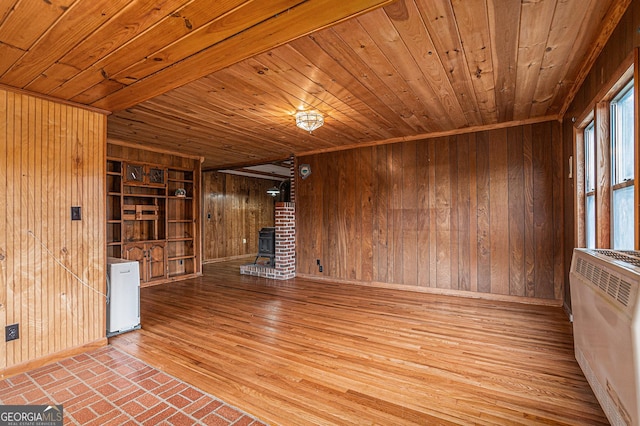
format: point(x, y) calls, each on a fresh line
point(435, 74)
point(414, 110)
point(214, 32)
point(386, 86)
point(408, 69)
point(472, 25)
point(182, 72)
point(504, 31)
point(133, 50)
point(379, 109)
point(530, 52)
point(562, 49)
point(338, 77)
point(70, 28)
point(434, 17)
point(613, 17)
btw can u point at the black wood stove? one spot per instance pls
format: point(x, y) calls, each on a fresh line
point(267, 245)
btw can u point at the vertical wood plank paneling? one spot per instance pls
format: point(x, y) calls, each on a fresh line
point(462, 213)
point(25, 271)
point(433, 249)
point(499, 209)
point(3, 221)
point(529, 240)
point(423, 188)
point(473, 215)
point(483, 174)
point(409, 214)
point(381, 256)
point(516, 213)
point(55, 311)
point(558, 170)
point(239, 207)
point(365, 207)
point(443, 213)
point(397, 266)
point(454, 249)
point(543, 204)
point(470, 212)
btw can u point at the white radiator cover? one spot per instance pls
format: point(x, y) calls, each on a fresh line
point(606, 328)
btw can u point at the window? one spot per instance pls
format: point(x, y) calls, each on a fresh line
point(606, 145)
point(590, 185)
point(622, 170)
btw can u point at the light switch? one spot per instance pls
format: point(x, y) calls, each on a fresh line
point(75, 213)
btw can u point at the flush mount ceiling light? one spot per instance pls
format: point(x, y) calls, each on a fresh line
point(309, 120)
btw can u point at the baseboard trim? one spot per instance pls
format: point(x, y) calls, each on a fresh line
point(51, 358)
point(441, 291)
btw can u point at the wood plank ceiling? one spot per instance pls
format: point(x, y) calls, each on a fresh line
point(224, 79)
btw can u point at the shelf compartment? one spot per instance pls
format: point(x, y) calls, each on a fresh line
point(140, 212)
point(180, 249)
point(179, 267)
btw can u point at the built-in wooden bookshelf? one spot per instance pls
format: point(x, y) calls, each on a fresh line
point(152, 217)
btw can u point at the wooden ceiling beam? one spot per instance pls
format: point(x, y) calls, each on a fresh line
point(303, 19)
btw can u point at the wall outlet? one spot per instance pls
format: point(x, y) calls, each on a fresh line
point(244, 241)
point(76, 213)
point(12, 332)
point(320, 268)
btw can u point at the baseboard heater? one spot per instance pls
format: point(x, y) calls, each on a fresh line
point(606, 328)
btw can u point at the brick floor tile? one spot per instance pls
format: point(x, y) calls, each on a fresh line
point(15, 400)
point(79, 389)
point(109, 387)
point(243, 421)
point(121, 399)
point(102, 407)
point(151, 412)
point(149, 384)
point(207, 409)
point(83, 416)
point(170, 388)
point(179, 401)
point(108, 418)
point(33, 394)
point(180, 419)
point(86, 374)
point(133, 409)
point(214, 420)
point(161, 417)
point(120, 383)
point(19, 379)
point(191, 394)
point(163, 378)
point(83, 400)
point(106, 389)
point(147, 400)
point(229, 413)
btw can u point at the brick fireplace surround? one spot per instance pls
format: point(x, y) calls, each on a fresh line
point(285, 260)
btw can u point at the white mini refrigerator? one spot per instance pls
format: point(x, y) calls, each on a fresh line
point(123, 296)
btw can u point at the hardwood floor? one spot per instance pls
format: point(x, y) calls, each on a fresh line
point(303, 352)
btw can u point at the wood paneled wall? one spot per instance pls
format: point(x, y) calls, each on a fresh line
point(52, 276)
point(234, 209)
point(623, 40)
point(479, 213)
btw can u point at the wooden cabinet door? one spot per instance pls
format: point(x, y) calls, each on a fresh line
point(136, 251)
point(156, 259)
